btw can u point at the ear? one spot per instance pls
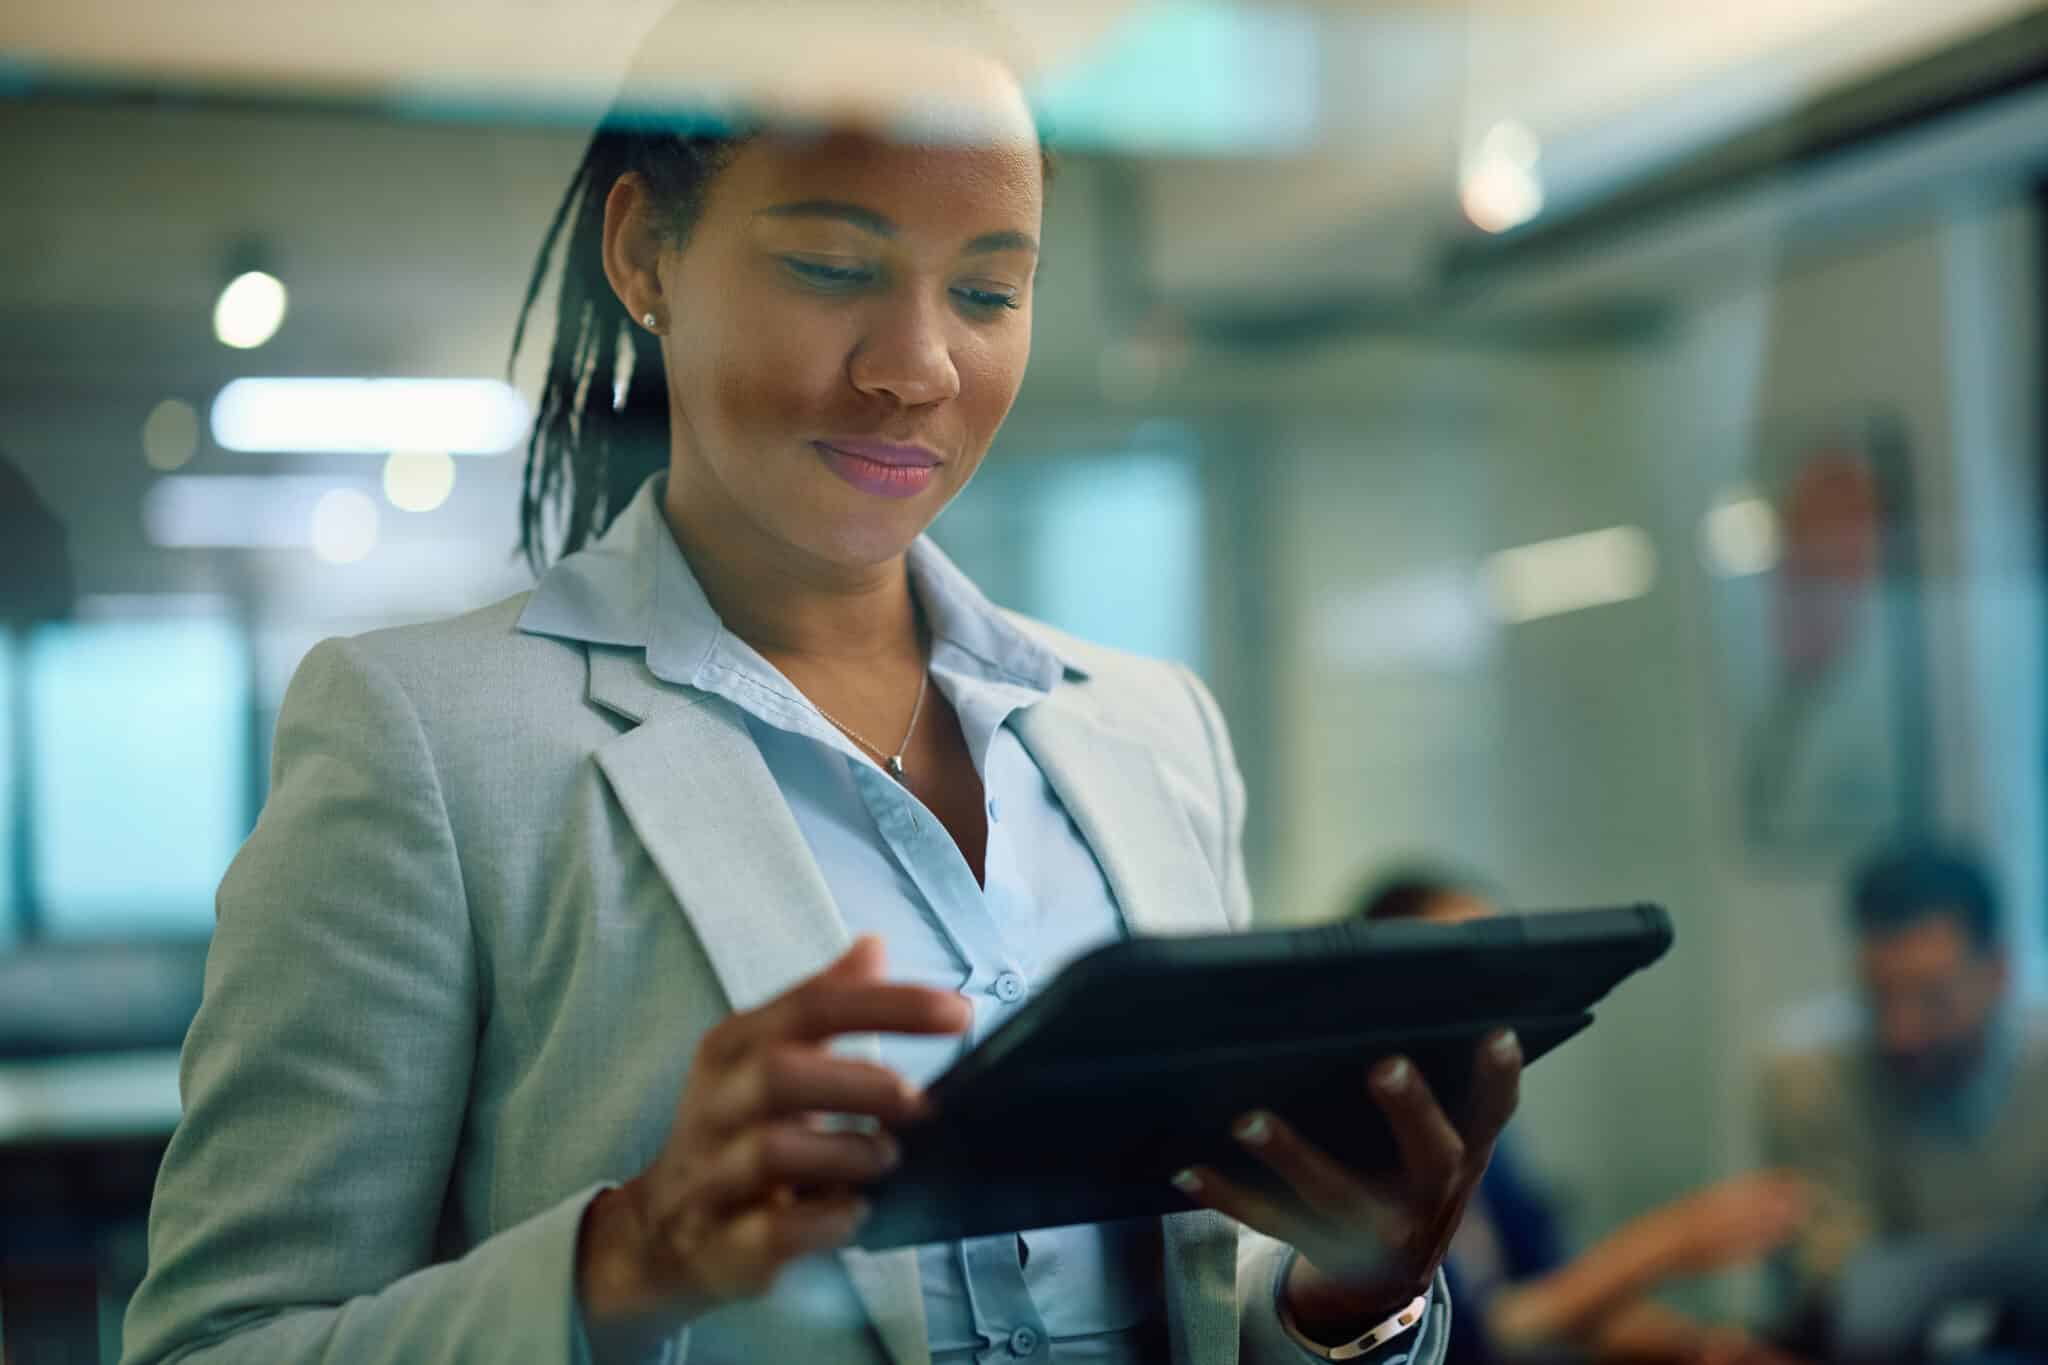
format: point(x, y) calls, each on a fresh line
point(632, 250)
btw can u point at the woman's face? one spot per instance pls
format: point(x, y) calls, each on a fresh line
point(846, 328)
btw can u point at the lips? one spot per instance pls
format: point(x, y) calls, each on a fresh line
point(883, 468)
point(891, 453)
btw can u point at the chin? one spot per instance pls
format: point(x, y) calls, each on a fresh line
point(817, 515)
point(861, 543)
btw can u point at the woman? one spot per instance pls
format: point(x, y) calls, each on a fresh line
point(515, 1044)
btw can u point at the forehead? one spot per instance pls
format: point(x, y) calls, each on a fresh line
point(942, 188)
point(902, 181)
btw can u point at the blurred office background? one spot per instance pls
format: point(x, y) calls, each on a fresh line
point(1459, 388)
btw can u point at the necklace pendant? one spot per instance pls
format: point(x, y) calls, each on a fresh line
point(896, 767)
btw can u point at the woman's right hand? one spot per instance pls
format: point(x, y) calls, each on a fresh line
point(750, 1179)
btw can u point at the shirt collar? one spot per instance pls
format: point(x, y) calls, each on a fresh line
point(632, 587)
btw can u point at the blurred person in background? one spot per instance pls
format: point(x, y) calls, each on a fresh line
point(1929, 1120)
point(516, 1035)
point(1521, 1296)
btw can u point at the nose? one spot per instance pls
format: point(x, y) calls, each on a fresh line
point(907, 356)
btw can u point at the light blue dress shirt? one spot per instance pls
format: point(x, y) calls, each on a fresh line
point(1078, 1294)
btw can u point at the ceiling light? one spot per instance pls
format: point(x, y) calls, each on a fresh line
point(370, 416)
point(1739, 536)
point(250, 310)
point(1558, 576)
point(1500, 188)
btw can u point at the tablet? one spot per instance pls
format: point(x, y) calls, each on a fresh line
point(1134, 1062)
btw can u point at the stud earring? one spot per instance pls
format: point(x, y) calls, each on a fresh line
point(650, 322)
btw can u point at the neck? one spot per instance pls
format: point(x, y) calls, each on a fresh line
point(783, 602)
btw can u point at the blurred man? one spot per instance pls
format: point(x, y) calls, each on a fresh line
point(1931, 1121)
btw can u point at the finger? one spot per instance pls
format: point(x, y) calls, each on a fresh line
point(796, 1079)
point(821, 1010)
point(1432, 1153)
point(1253, 1208)
point(863, 963)
point(1496, 1090)
point(866, 960)
point(1321, 1182)
point(761, 1241)
point(790, 1155)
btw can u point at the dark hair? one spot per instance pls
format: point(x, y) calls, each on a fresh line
point(1899, 887)
point(1409, 893)
point(593, 445)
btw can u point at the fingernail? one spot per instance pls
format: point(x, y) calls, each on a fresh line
point(892, 1154)
point(1394, 1076)
point(1187, 1182)
point(1253, 1129)
point(1506, 1047)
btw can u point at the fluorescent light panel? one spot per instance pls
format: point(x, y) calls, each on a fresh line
point(370, 416)
point(1554, 577)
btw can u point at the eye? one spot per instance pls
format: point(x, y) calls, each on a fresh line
point(988, 301)
point(827, 277)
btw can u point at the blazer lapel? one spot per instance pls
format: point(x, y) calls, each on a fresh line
point(1118, 798)
point(710, 815)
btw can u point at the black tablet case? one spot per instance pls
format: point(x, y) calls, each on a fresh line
point(1135, 1061)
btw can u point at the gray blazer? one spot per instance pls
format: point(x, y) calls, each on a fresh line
point(502, 886)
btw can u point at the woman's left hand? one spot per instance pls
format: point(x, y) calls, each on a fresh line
point(1369, 1244)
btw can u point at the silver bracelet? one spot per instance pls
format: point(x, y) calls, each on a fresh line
point(1403, 1321)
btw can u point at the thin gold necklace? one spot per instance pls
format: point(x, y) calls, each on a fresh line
point(893, 763)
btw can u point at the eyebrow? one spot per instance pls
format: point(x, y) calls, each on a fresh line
point(1001, 241)
point(867, 220)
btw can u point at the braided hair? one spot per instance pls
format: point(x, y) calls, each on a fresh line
point(597, 436)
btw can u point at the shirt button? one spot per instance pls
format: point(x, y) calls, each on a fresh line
point(995, 812)
point(1009, 988)
point(1023, 1341)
